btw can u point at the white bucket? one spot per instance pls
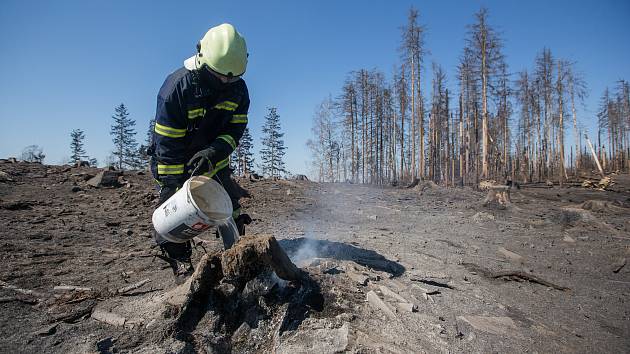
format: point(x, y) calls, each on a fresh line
point(199, 204)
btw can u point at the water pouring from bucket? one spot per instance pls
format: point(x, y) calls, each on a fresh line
point(200, 204)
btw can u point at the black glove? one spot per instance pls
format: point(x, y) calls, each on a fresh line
point(166, 192)
point(201, 161)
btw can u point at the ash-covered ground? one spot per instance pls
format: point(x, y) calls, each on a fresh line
point(391, 270)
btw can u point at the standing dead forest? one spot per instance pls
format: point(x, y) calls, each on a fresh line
point(498, 125)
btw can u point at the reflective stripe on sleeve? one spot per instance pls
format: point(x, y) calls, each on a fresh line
point(218, 167)
point(196, 113)
point(228, 139)
point(227, 105)
point(239, 118)
point(170, 169)
point(169, 132)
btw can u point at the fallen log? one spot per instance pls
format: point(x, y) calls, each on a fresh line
point(513, 276)
point(69, 288)
point(23, 299)
point(433, 283)
point(27, 292)
point(135, 286)
point(522, 276)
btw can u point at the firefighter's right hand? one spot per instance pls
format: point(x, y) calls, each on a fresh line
point(201, 161)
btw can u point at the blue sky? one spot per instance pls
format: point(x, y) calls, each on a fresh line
point(67, 64)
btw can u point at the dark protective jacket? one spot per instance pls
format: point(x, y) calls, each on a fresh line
point(195, 110)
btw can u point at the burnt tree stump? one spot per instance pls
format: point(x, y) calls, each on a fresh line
point(248, 258)
point(498, 196)
point(252, 254)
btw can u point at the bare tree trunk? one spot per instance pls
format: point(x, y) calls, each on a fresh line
point(403, 103)
point(599, 166)
point(420, 114)
point(576, 134)
point(560, 94)
point(413, 119)
point(484, 89)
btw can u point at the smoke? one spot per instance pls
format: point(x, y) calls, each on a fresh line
point(307, 251)
point(318, 234)
point(281, 282)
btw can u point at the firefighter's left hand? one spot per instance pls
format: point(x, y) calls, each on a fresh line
point(201, 161)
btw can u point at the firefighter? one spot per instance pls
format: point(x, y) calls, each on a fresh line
point(200, 118)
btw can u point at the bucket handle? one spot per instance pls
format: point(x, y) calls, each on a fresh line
point(194, 171)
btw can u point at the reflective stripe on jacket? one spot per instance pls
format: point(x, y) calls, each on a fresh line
point(196, 111)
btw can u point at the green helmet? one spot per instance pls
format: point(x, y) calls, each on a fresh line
point(223, 50)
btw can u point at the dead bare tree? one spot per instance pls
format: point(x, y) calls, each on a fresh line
point(526, 150)
point(377, 129)
point(438, 121)
point(603, 121)
point(413, 51)
point(545, 63)
point(576, 87)
point(470, 103)
point(401, 92)
point(486, 47)
point(325, 145)
point(614, 121)
point(348, 104)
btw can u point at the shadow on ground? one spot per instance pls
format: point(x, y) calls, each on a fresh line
point(305, 248)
